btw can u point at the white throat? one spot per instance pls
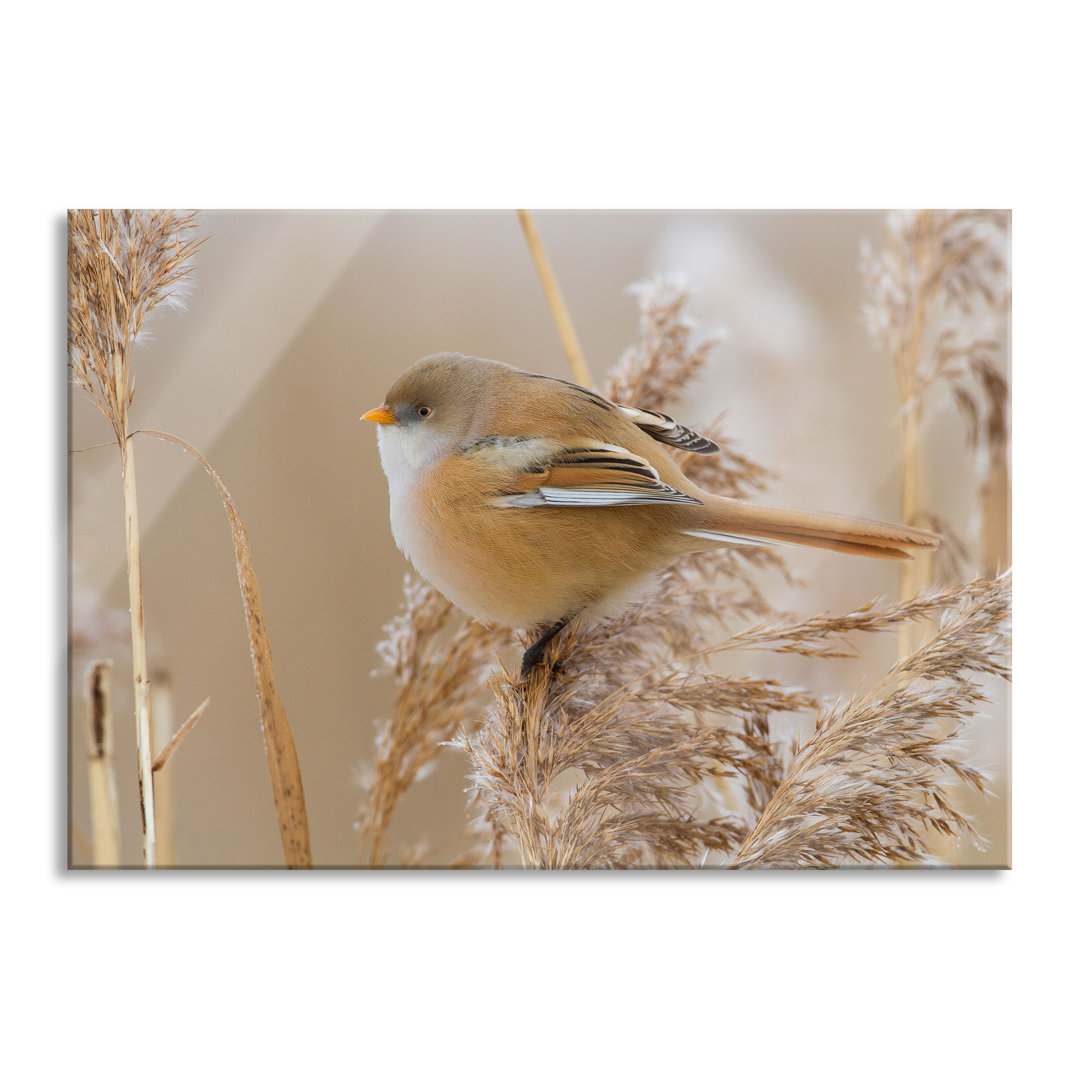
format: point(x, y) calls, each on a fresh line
point(407, 453)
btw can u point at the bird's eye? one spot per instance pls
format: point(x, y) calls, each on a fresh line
point(424, 412)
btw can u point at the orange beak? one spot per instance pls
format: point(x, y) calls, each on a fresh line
point(381, 415)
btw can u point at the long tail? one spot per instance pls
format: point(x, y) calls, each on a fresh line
point(729, 521)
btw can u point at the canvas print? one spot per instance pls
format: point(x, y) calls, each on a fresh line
point(556, 540)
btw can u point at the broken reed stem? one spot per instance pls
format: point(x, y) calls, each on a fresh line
point(162, 715)
point(555, 301)
point(101, 768)
point(140, 674)
point(185, 729)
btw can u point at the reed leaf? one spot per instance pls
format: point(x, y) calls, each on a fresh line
point(281, 756)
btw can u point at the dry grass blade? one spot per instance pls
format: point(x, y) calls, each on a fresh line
point(439, 663)
point(281, 756)
point(876, 774)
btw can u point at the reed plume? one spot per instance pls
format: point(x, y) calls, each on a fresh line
point(637, 760)
point(439, 662)
point(121, 265)
point(873, 781)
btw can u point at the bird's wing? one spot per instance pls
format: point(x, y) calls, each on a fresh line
point(547, 472)
point(662, 428)
point(657, 424)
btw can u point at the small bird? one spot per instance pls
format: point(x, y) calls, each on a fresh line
point(528, 500)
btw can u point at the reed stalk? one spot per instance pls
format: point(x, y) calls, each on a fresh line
point(140, 673)
point(915, 574)
point(556, 304)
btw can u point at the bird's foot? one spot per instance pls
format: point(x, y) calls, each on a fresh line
point(535, 652)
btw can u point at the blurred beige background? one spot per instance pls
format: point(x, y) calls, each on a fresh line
point(296, 324)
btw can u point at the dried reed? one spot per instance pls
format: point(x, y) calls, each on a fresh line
point(281, 756)
point(104, 802)
point(641, 757)
point(121, 264)
point(938, 305)
point(872, 780)
point(552, 293)
point(439, 662)
point(163, 728)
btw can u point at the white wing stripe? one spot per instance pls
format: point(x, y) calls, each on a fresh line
point(731, 538)
point(608, 495)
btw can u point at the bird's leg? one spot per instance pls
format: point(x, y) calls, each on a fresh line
point(535, 652)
